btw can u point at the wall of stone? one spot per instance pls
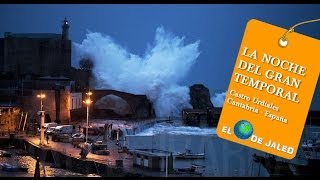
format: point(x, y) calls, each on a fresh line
point(41, 56)
point(1, 53)
point(65, 107)
point(9, 119)
point(81, 78)
point(31, 104)
point(140, 105)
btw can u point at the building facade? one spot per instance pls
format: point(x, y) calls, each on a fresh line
point(31, 63)
point(76, 101)
point(31, 104)
point(31, 55)
point(9, 119)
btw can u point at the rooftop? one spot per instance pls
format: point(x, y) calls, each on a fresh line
point(33, 35)
point(54, 78)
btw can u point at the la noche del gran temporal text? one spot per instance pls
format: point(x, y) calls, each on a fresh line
point(277, 77)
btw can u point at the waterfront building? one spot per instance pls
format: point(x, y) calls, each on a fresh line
point(152, 159)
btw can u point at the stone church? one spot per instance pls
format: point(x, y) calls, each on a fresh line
point(25, 56)
point(31, 63)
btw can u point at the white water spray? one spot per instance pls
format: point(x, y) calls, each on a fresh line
point(156, 74)
point(218, 99)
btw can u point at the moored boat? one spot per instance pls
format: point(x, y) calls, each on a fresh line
point(194, 169)
point(189, 155)
point(4, 154)
point(13, 168)
point(307, 163)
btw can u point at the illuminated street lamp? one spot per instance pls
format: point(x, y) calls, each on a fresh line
point(41, 96)
point(88, 102)
point(89, 94)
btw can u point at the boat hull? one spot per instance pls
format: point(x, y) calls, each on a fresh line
point(189, 157)
point(4, 154)
point(11, 168)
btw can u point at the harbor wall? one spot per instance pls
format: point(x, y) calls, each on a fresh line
point(65, 161)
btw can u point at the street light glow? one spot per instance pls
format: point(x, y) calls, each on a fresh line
point(89, 93)
point(41, 96)
point(87, 102)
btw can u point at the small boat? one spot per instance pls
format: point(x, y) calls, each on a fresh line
point(197, 165)
point(189, 155)
point(4, 154)
point(13, 168)
point(194, 169)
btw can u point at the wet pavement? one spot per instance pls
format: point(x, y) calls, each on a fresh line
point(70, 150)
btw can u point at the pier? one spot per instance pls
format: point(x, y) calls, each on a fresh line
point(64, 155)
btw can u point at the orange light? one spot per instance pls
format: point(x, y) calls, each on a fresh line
point(87, 101)
point(89, 93)
point(41, 96)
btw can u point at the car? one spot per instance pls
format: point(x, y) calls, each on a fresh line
point(78, 136)
point(63, 129)
point(92, 131)
point(90, 140)
point(57, 137)
point(50, 130)
point(47, 126)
